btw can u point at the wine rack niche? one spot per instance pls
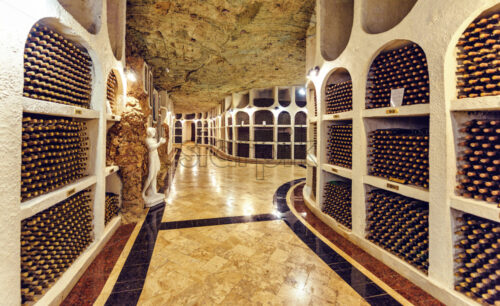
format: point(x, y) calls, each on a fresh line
point(404, 67)
point(337, 202)
point(55, 69)
point(51, 241)
point(54, 153)
point(399, 225)
point(338, 97)
point(111, 90)
point(400, 155)
point(478, 160)
point(339, 146)
point(478, 60)
point(477, 259)
point(112, 207)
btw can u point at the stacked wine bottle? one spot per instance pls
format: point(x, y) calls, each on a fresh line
point(55, 69)
point(51, 241)
point(338, 97)
point(479, 162)
point(405, 67)
point(337, 202)
point(400, 225)
point(477, 256)
point(112, 207)
point(54, 153)
point(339, 146)
point(112, 87)
point(315, 138)
point(400, 155)
point(314, 181)
point(477, 58)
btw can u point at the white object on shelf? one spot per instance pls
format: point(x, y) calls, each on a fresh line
point(344, 172)
point(56, 109)
point(406, 190)
point(481, 209)
point(40, 203)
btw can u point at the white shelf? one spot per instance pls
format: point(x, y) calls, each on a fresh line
point(40, 203)
point(55, 109)
point(476, 104)
point(416, 110)
point(344, 172)
point(111, 170)
point(481, 209)
point(339, 116)
point(111, 117)
point(406, 190)
point(62, 287)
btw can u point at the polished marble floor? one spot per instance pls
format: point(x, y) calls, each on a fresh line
point(256, 249)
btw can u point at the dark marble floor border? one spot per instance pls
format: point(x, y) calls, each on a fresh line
point(363, 285)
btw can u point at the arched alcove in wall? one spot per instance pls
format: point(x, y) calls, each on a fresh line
point(284, 118)
point(382, 15)
point(198, 124)
point(300, 118)
point(87, 13)
point(178, 124)
point(115, 11)
point(300, 96)
point(242, 100)
point(401, 65)
point(338, 92)
point(336, 24)
point(284, 97)
point(263, 117)
point(178, 116)
point(263, 97)
point(47, 36)
point(242, 118)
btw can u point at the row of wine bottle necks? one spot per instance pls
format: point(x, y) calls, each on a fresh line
point(55, 70)
point(51, 240)
point(400, 225)
point(477, 257)
point(337, 202)
point(478, 161)
point(478, 63)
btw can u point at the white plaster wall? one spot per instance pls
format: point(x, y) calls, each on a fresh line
point(435, 26)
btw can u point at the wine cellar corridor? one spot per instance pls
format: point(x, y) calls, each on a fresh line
point(280, 152)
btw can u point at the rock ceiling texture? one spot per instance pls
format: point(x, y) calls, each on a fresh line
point(202, 51)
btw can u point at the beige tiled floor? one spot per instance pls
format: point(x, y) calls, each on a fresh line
point(260, 263)
point(207, 187)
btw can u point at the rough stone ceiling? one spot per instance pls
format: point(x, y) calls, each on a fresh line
point(202, 51)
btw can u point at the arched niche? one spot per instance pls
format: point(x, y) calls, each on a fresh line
point(178, 124)
point(336, 24)
point(242, 118)
point(243, 101)
point(284, 97)
point(115, 11)
point(44, 48)
point(87, 13)
point(190, 116)
point(229, 120)
point(300, 118)
point(300, 96)
point(198, 124)
point(284, 118)
point(263, 97)
point(263, 117)
point(481, 82)
point(400, 66)
point(338, 92)
point(382, 15)
point(205, 124)
point(178, 116)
